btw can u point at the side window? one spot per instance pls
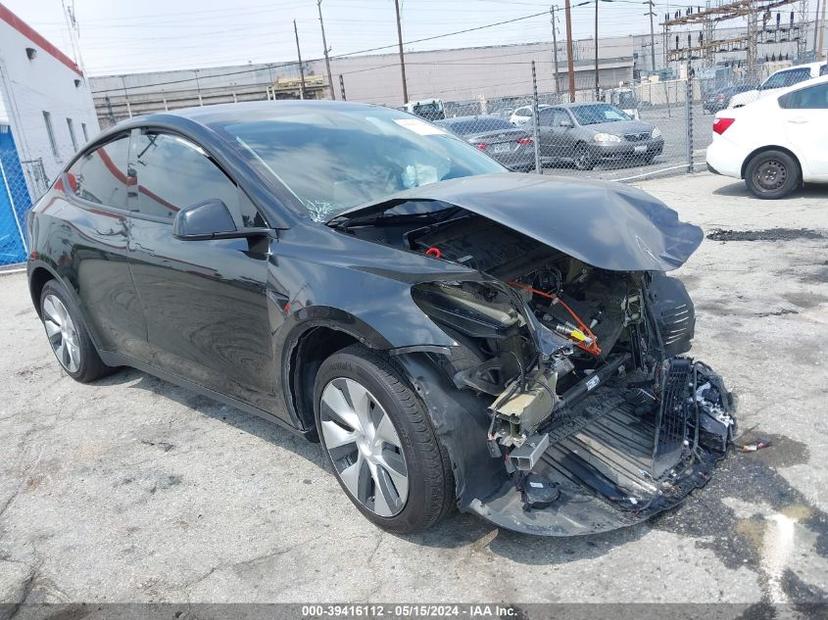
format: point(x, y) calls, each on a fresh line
point(560, 116)
point(546, 117)
point(811, 98)
point(100, 175)
point(174, 173)
point(823, 70)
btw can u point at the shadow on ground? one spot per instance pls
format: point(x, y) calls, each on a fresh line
point(738, 188)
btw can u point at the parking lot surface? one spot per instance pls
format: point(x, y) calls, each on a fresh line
point(135, 490)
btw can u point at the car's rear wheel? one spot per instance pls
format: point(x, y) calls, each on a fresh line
point(772, 174)
point(380, 442)
point(68, 335)
point(583, 158)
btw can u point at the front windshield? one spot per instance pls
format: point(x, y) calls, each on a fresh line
point(333, 159)
point(786, 78)
point(598, 113)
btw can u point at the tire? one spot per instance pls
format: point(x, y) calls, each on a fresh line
point(429, 481)
point(583, 159)
point(648, 159)
point(772, 174)
point(70, 339)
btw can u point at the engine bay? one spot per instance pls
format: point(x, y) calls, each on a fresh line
point(581, 368)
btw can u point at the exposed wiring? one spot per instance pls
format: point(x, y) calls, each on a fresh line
point(590, 346)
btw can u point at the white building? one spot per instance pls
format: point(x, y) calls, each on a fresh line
point(46, 115)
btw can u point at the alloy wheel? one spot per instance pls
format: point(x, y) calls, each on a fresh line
point(62, 333)
point(364, 446)
point(770, 175)
point(583, 159)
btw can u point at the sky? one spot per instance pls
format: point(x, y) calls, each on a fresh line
point(119, 36)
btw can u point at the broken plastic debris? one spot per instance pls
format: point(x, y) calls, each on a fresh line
point(753, 447)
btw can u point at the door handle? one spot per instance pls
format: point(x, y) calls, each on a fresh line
point(798, 121)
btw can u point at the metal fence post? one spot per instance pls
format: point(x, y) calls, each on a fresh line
point(688, 119)
point(535, 120)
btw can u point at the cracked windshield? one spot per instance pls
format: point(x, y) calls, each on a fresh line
point(333, 162)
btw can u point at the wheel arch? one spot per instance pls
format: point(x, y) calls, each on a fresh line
point(39, 275)
point(770, 147)
point(321, 333)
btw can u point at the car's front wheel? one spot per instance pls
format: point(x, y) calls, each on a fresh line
point(772, 174)
point(583, 158)
point(380, 442)
point(68, 335)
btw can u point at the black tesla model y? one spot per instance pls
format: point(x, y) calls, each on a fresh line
point(453, 334)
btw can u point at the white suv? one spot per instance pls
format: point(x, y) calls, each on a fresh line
point(779, 80)
point(777, 143)
point(523, 115)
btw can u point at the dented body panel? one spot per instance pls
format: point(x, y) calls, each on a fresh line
point(607, 225)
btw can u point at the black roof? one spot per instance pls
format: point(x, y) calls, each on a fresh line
point(233, 112)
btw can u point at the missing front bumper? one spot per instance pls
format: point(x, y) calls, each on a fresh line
point(616, 460)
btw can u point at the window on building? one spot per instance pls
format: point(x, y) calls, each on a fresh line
point(100, 176)
point(72, 134)
point(47, 119)
point(85, 133)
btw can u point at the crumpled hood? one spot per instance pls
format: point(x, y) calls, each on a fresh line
point(606, 225)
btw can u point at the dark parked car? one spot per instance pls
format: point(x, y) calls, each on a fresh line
point(590, 133)
point(497, 137)
point(718, 99)
point(453, 334)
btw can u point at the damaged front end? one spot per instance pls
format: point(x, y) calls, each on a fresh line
point(566, 404)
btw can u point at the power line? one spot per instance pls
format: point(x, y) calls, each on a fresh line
point(345, 55)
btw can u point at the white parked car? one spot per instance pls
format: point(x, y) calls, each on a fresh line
point(523, 115)
point(777, 143)
point(778, 81)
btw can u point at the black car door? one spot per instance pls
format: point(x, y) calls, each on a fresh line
point(205, 303)
point(96, 246)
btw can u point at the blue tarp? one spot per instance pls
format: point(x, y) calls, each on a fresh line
point(14, 201)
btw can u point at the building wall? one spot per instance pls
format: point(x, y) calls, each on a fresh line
point(471, 73)
point(452, 74)
point(46, 82)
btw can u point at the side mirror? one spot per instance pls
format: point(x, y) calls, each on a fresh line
point(210, 219)
point(566, 124)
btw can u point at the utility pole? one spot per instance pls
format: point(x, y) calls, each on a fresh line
point(325, 46)
point(569, 61)
point(816, 31)
point(651, 5)
point(301, 68)
point(402, 56)
point(72, 25)
point(819, 51)
point(555, 47)
point(597, 81)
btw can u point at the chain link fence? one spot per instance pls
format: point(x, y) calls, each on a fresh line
point(15, 198)
point(624, 133)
